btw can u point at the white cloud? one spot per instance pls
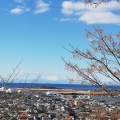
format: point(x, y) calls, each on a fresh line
point(105, 14)
point(19, 10)
point(100, 17)
point(52, 78)
point(68, 19)
point(41, 7)
point(19, 1)
point(16, 11)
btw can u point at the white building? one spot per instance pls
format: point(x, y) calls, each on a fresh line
point(51, 93)
point(2, 89)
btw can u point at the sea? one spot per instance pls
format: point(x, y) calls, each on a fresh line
point(60, 86)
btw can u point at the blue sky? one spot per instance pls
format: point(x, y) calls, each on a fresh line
point(34, 31)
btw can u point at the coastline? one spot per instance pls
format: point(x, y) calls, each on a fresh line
point(66, 91)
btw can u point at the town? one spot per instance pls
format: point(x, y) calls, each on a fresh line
point(51, 105)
